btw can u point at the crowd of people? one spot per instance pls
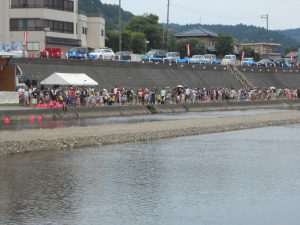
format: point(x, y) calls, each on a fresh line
point(84, 96)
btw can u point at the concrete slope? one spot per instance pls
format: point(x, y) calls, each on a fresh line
point(148, 75)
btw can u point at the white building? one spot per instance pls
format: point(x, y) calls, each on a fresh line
point(48, 23)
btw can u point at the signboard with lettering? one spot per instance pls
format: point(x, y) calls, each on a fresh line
point(17, 46)
point(7, 46)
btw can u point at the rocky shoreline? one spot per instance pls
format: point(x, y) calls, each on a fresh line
point(13, 142)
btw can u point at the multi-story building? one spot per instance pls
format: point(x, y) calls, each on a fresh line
point(48, 23)
point(266, 50)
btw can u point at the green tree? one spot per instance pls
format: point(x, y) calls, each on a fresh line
point(112, 40)
point(138, 42)
point(196, 47)
point(249, 52)
point(126, 41)
point(147, 24)
point(224, 44)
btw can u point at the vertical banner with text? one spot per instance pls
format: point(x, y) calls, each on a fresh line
point(25, 37)
point(188, 50)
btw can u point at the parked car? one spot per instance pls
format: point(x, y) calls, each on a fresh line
point(155, 55)
point(280, 62)
point(51, 53)
point(290, 63)
point(284, 62)
point(78, 53)
point(266, 63)
point(210, 59)
point(172, 57)
point(216, 61)
point(248, 62)
point(102, 53)
point(198, 59)
point(123, 56)
point(229, 60)
point(72, 53)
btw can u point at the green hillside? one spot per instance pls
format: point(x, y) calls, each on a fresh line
point(245, 33)
point(293, 33)
point(110, 12)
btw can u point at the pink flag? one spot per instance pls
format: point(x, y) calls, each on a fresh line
point(292, 56)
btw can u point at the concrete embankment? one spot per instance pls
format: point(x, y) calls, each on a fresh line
point(148, 75)
point(131, 110)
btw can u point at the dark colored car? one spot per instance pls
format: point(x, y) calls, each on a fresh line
point(266, 63)
point(79, 53)
point(155, 56)
point(123, 56)
point(281, 62)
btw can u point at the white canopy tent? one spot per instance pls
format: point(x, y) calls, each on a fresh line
point(69, 79)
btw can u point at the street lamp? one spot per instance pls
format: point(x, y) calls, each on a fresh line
point(46, 29)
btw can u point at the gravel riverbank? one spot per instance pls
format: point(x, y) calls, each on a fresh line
point(74, 137)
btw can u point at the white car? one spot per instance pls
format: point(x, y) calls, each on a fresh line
point(197, 59)
point(210, 58)
point(102, 53)
point(229, 60)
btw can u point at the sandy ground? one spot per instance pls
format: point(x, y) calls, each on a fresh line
point(74, 137)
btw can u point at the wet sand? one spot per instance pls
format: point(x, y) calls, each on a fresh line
point(78, 137)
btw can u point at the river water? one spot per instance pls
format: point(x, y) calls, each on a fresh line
point(249, 177)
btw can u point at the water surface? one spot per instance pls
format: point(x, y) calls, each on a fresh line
point(234, 178)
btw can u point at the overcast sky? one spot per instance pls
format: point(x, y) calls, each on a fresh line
point(283, 14)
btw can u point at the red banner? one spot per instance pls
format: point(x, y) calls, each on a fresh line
point(188, 51)
point(25, 37)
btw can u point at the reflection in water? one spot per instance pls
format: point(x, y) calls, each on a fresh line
point(243, 177)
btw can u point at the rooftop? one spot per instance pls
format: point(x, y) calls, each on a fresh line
point(260, 43)
point(196, 32)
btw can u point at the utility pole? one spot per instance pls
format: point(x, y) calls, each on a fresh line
point(166, 27)
point(266, 17)
point(168, 15)
point(120, 27)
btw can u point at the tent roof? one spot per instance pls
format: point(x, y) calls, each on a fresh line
point(74, 79)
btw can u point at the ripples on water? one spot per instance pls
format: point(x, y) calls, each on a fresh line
point(249, 177)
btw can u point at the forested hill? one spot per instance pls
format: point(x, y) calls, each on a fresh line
point(110, 12)
point(245, 33)
point(294, 33)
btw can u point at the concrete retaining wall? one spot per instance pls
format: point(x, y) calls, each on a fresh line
point(111, 111)
point(148, 75)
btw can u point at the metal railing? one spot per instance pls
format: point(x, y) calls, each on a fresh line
point(240, 76)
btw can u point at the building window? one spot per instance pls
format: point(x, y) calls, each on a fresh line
point(33, 46)
point(102, 32)
point(64, 5)
point(40, 25)
point(84, 30)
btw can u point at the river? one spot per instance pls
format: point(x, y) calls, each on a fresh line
point(235, 178)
